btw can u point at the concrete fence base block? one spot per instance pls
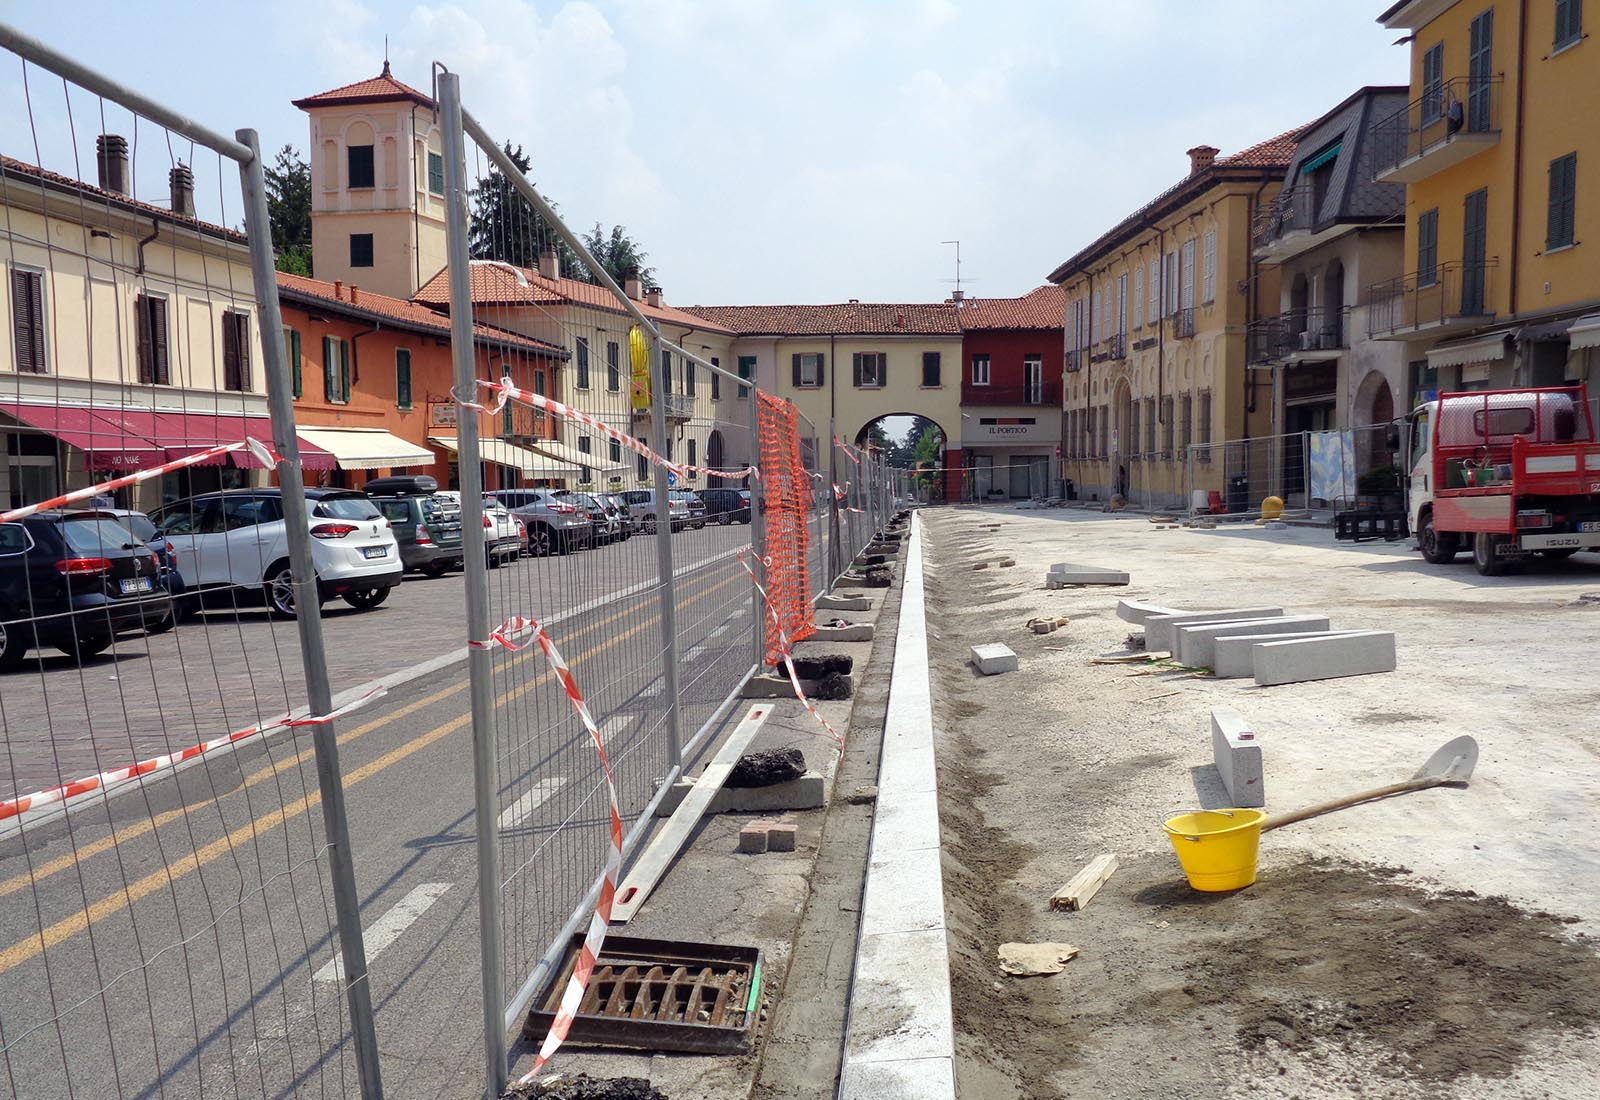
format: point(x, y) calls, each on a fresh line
point(1237, 755)
point(1159, 630)
point(855, 632)
point(844, 603)
point(1086, 574)
point(994, 658)
point(1324, 658)
point(1197, 642)
point(779, 687)
point(804, 793)
point(1234, 656)
point(1136, 612)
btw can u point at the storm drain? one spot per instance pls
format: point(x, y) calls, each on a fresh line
point(702, 998)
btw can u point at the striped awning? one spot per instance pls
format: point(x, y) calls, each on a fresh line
point(502, 453)
point(1585, 332)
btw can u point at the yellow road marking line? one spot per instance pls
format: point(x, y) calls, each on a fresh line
point(29, 948)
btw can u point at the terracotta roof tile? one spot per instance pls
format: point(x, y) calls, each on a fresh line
point(382, 88)
point(1042, 308)
point(496, 283)
point(299, 289)
point(1273, 153)
point(12, 166)
point(844, 319)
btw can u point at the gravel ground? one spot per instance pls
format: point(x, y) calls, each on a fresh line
point(1434, 945)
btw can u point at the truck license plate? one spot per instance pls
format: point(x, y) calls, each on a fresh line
point(1589, 525)
point(137, 584)
point(376, 551)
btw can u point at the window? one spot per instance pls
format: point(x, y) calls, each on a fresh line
point(1569, 22)
point(1155, 290)
point(716, 380)
point(402, 377)
point(1169, 286)
point(291, 347)
point(689, 376)
point(747, 371)
point(1150, 426)
point(1166, 427)
point(869, 368)
point(1563, 195)
point(235, 351)
point(27, 320)
point(1122, 305)
point(1088, 430)
point(1433, 83)
point(1208, 291)
point(151, 313)
point(666, 371)
point(1186, 277)
point(582, 360)
point(689, 457)
point(1138, 297)
point(1428, 248)
point(1105, 430)
point(809, 370)
point(930, 369)
point(644, 464)
point(980, 370)
point(1204, 427)
point(1070, 331)
point(1033, 380)
point(359, 159)
point(361, 250)
point(435, 173)
point(584, 444)
point(335, 370)
point(614, 451)
point(508, 419)
point(1186, 422)
point(613, 366)
point(1133, 429)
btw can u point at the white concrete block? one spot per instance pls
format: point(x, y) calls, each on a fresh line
point(1158, 629)
point(855, 632)
point(1085, 574)
point(844, 603)
point(1324, 658)
point(994, 658)
point(1136, 612)
point(1237, 755)
point(1196, 640)
point(1234, 656)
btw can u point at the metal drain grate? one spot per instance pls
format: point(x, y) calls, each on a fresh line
point(660, 995)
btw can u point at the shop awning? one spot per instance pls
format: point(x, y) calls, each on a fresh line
point(184, 433)
point(1479, 349)
point(1585, 332)
point(104, 435)
point(1326, 156)
point(366, 448)
point(563, 452)
point(502, 453)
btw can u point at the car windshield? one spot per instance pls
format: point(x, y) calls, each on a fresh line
point(345, 508)
point(95, 535)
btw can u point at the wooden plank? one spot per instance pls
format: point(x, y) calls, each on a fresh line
point(655, 860)
point(1085, 884)
point(1130, 658)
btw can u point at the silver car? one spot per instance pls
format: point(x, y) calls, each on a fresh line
point(555, 526)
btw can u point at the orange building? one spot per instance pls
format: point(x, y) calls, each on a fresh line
point(372, 377)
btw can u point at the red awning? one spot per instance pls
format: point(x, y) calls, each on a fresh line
point(181, 434)
point(111, 440)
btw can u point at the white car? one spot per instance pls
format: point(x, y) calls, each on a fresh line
point(238, 538)
point(502, 534)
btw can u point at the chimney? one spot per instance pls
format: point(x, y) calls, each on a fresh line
point(180, 181)
point(550, 264)
point(1200, 158)
point(633, 286)
point(899, 320)
point(111, 158)
point(654, 297)
point(353, 289)
point(338, 290)
point(958, 296)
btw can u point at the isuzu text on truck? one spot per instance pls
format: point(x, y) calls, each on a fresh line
point(1507, 474)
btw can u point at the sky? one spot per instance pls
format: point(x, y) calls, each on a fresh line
point(761, 151)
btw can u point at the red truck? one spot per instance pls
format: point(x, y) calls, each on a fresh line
point(1507, 474)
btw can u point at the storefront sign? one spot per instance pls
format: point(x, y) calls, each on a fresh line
point(442, 414)
point(1009, 429)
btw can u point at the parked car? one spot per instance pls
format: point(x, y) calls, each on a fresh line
point(237, 538)
point(555, 526)
point(503, 537)
point(600, 525)
point(73, 585)
point(643, 504)
point(426, 524)
point(726, 505)
point(630, 522)
point(170, 578)
point(697, 507)
point(619, 525)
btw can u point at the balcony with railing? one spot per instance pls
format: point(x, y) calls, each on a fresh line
point(1281, 226)
point(1040, 393)
point(1075, 360)
point(1443, 127)
point(1452, 297)
point(1182, 321)
point(1298, 334)
point(680, 406)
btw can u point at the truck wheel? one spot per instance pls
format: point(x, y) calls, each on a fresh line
point(1486, 554)
point(1438, 547)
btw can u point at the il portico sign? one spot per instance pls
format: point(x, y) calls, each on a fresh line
point(1009, 429)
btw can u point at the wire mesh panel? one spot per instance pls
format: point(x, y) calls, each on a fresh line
point(813, 458)
point(168, 912)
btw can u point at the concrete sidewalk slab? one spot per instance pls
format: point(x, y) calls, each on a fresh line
point(1136, 612)
point(1159, 629)
point(1237, 756)
point(1326, 658)
point(1196, 641)
point(1234, 656)
point(994, 658)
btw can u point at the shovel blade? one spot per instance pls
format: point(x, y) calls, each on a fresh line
point(1452, 762)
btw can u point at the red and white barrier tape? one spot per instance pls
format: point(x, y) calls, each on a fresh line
point(507, 636)
point(849, 451)
point(263, 453)
point(504, 391)
point(841, 495)
point(18, 806)
point(788, 646)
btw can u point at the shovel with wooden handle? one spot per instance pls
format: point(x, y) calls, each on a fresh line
point(1451, 765)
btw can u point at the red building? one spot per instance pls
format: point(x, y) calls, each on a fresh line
point(1012, 357)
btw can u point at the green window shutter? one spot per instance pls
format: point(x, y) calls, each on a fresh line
point(855, 369)
point(291, 348)
point(402, 377)
point(797, 370)
point(822, 377)
point(344, 371)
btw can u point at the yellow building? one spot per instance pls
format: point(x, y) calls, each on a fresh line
point(1157, 311)
point(1503, 281)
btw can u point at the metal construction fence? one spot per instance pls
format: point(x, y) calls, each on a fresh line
point(1308, 471)
point(183, 885)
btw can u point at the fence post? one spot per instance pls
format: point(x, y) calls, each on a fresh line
point(668, 588)
point(475, 568)
point(758, 534)
point(308, 622)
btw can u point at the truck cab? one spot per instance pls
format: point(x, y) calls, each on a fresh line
point(1507, 474)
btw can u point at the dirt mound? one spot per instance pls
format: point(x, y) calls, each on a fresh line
point(584, 1087)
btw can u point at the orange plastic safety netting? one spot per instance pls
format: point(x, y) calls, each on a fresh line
point(786, 496)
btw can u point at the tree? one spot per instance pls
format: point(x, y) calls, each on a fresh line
point(506, 227)
point(618, 253)
point(878, 438)
point(289, 211)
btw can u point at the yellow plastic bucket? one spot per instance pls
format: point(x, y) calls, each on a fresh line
point(1217, 847)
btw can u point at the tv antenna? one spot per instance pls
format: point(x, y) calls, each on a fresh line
point(959, 294)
